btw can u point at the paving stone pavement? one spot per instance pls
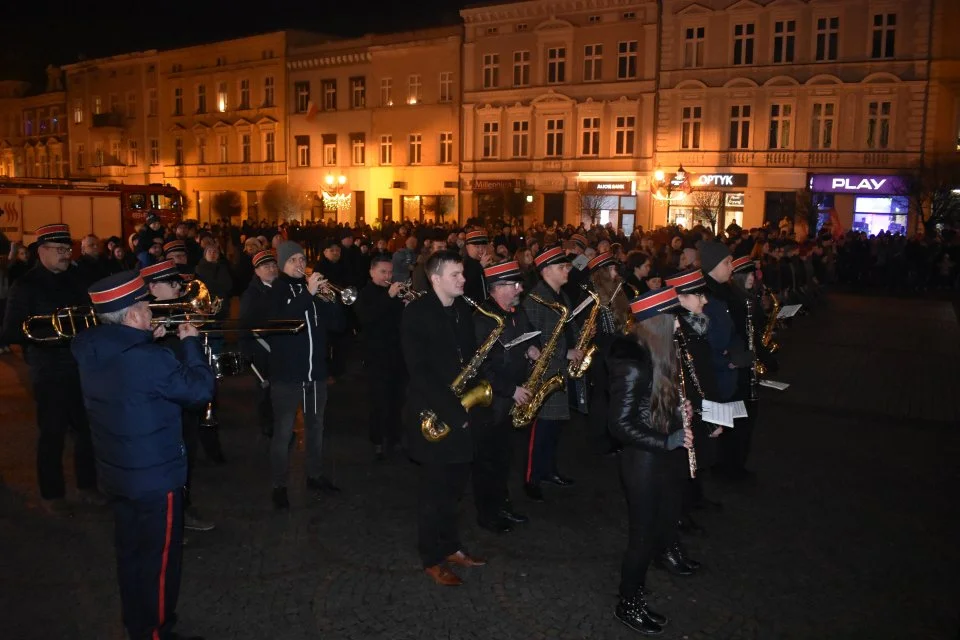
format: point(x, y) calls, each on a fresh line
point(851, 531)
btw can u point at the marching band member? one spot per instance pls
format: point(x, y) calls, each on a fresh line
point(476, 257)
point(50, 285)
point(255, 307)
point(611, 322)
point(554, 267)
point(645, 415)
point(506, 370)
point(135, 392)
point(437, 335)
point(297, 362)
point(380, 309)
point(164, 284)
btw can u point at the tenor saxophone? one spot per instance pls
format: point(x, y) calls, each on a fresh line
point(767, 339)
point(578, 370)
point(539, 386)
point(480, 395)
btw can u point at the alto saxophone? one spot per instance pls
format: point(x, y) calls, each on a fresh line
point(539, 387)
point(481, 395)
point(586, 335)
point(767, 339)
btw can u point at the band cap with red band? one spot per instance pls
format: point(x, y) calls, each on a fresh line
point(160, 272)
point(581, 240)
point(653, 303)
point(605, 259)
point(173, 247)
point(688, 281)
point(477, 237)
point(744, 264)
point(503, 272)
point(263, 257)
point(549, 256)
point(117, 292)
point(54, 234)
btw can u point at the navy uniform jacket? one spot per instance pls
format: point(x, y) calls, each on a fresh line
point(134, 392)
point(725, 343)
point(504, 369)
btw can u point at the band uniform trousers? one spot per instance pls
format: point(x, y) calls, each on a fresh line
point(386, 386)
point(653, 484)
point(60, 409)
point(287, 398)
point(149, 548)
point(735, 443)
point(441, 487)
point(542, 449)
point(491, 467)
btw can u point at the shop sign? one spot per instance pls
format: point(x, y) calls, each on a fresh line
point(613, 188)
point(733, 200)
point(700, 180)
point(495, 185)
point(858, 184)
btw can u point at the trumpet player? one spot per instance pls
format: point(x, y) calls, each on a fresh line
point(53, 283)
point(379, 308)
point(135, 391)
point(254, 312)
point(506, 370)
point(437, 335)
point(297, 363)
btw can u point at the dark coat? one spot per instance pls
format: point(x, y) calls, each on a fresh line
point(91, 270)
point(436, 349)
point(725, 343)
point(301, 357)
point(134, 392)
point(380, 317)
point(216, 275)
point(39, 292)
point(255, 309)
point(544, 319)
point(474, 288)
point(504, 369)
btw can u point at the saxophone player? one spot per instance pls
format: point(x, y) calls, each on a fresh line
point(437, 337)
point(554, 268)
point(506, 370)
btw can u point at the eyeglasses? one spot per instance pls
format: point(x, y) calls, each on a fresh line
point(63, 251)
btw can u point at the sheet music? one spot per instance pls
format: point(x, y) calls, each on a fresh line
point(723, 413)
point(580, 307)
point(522, 338)
point(789, 311)
point(773, 384)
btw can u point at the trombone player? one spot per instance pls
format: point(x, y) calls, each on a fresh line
point(52, 284)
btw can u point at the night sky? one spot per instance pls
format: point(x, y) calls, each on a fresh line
point(36, 33)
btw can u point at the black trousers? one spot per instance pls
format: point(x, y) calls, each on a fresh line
point(149, 547)
point(441, 487)
point(386, 386)
point(264, 408)
point(735, 443)
point(60, 409)
point(491, 467)
point(542, 449)
point(653, 484)
point(336, 356)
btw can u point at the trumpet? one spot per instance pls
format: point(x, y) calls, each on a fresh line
point(348, 295)
point(408, 293)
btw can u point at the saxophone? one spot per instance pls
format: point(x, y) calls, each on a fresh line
point(587, 332)
point(536, 384)
point(481, 395)
point(767, 340)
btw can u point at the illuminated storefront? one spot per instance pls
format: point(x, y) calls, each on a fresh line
point(612, 202)
point(867, 203)
point(713, 200)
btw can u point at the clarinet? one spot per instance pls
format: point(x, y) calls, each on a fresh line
point(683, 357)
point(754, 374)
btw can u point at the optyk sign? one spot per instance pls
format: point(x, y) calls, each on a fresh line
point(858, 184)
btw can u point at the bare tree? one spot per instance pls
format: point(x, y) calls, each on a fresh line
point(445, 206)
point(227, 204)
point(281, 200)
point(592, 204)
point(707, 207)
point(932, 195)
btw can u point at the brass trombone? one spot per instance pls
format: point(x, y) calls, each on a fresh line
point(64, 323)
point(196, 299)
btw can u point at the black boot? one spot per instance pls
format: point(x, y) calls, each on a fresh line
point(670, 562)
point(634, 613)
point(684, 558)
point(688, 525)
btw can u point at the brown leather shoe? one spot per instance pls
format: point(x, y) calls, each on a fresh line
point(464, 560)
point(443, 576)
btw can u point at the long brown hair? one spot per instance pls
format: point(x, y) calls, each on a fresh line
point(656, 334)
point(604, 285)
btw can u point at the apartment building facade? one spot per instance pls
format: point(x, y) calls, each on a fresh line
point(373, 126)
point(33, 130)
point(559, 106)
point(762, 102)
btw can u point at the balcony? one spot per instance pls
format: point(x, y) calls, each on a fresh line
point(107, 120)
point(225, 170)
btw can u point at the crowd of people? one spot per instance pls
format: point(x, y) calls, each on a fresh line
point(466, 335)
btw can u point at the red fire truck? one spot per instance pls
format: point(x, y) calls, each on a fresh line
point(88, 207)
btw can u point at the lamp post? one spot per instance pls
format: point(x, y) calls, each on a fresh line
point(332, 193)
point(676, 188)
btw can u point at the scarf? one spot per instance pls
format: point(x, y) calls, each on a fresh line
point(698, 322)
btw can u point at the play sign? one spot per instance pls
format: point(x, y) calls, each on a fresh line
point(858, 184)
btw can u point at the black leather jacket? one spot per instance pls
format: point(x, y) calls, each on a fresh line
point(631, 384)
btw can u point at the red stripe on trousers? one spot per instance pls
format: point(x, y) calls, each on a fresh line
point(163, 565)
point(533, 434)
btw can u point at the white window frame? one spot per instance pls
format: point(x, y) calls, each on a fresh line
point(691, 126)
point(556, 65)
point(747, 40)
point(223, 149)
point(177, 101)
point(694, 44)
point(414, 88)
point(246, 148)
point(358, 92)
point(887, 32)
point(521, 68)
point(154, 152)
point(490, 70)
point(740, 126)
point(133, 153)
point(329, 88)
point(780, 131)
point(329, 154)
point(358, 152)
point(386, 150)
point(269, 146)
point(553, 137)
point(490, 147)
point(386, 92)
point(446, 147)
point(881, 123)
point(244, 93)
point(202, 150)
point(823, 125)
point(415, 149)
point(784, 41)
point(201, 98)
point(223, 97)
point(177, 151)
point(269, 91)
point(825, 34)
point(303, 155)
point(590, 136)
point(592, 62)
point(520, 144)
point(77, 111)
point(627, 59)
point(301, 91)
point(446, 86)
point(625, 135)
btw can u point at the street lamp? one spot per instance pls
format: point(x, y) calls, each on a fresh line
point(332, 196)
point(674, 189)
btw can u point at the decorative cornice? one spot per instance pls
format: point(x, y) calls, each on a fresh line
point(359, 57)
point(542, 9)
